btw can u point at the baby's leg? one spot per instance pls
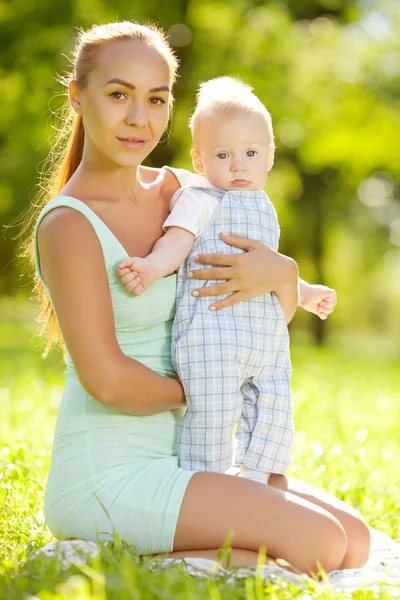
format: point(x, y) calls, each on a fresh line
point(213, 403)
point(246, 425)
point(270, 447)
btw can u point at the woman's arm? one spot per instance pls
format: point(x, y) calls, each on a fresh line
point(72, 265)
point(289, 300)
point(259, 270)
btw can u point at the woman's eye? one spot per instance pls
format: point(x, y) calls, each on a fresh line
point(251, 153)
point(222, 155)
point(157, 101)
point(118, 95)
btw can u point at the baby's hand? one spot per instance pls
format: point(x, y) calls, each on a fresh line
point(318, 299)
point(137, 274)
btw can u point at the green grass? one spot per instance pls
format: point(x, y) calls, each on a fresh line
point(347, 421)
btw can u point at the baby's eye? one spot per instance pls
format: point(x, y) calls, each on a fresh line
point(118, 95)
point(251, 153)
point(222, 155)
point(157, 101)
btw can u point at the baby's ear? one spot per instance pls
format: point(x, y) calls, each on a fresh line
point(197, 162)
point(271, 156)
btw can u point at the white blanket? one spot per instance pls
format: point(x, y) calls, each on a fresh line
point(381, 570)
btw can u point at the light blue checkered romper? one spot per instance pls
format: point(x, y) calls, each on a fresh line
point(234, 364)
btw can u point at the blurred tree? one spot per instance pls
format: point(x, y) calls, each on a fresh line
point(329, 72)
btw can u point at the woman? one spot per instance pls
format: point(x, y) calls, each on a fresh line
point(115, 464)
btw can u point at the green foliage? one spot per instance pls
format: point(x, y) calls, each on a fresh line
point(347, 421)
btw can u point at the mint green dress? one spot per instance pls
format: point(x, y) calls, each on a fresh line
point(112, 472)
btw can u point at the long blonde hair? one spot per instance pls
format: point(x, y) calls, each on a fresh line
point(66, 153)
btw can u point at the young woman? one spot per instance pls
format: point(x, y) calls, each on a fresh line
point(115, 463)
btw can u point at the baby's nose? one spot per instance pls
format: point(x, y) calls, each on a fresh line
point(236, 166)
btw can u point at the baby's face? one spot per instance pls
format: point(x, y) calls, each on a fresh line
point(235, 154)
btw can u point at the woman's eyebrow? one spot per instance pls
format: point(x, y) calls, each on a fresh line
point(161, 88)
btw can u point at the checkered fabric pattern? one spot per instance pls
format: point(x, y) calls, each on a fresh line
point(234, 364)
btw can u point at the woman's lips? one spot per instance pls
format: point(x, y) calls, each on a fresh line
point(133, 143)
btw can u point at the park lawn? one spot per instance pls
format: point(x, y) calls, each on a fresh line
point(347, 421)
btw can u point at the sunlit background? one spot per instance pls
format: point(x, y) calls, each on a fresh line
point(329, 72)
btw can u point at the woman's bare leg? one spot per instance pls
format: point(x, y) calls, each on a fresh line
point(237, 558)
point(357, 532)
point(258, 516)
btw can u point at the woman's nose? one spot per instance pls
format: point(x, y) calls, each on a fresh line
point(137, 115)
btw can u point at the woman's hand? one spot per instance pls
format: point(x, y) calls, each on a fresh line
point(259, 270)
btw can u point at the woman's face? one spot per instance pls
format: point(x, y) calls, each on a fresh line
point(125, 104)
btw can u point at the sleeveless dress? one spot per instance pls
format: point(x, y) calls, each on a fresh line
point(112, 472)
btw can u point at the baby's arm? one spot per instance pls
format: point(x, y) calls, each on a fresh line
point(191, 210)
point(169, 252)
point(317, 299)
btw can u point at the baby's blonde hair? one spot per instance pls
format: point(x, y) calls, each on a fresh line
point(224, 98)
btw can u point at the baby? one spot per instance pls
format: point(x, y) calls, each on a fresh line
point(234, 364)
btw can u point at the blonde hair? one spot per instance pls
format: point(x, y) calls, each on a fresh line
point(66, 153)
point(224, 98)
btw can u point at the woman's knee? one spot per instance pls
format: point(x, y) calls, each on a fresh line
point(358, 542)
point(331, 545)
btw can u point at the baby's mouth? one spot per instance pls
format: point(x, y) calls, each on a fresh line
point(240, 182)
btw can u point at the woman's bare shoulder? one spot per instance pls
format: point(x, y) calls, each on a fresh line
point(63, 224)
point(171, 184)
point(151, 174)
point(63, 234)
point(164, 178)
point(66, 240)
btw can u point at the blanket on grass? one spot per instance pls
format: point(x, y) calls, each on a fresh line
point(381, 571)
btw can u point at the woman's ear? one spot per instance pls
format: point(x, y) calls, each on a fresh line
point(197, 162)
point(74, 99)
point(271, 156)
